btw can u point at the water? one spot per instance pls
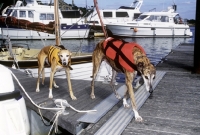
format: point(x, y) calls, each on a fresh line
point(156, 48)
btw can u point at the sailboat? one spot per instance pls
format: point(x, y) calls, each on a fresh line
point(35, 20)
point(80, 62)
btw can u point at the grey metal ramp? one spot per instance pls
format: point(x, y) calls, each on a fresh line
point(102, 108)
point(118, 122)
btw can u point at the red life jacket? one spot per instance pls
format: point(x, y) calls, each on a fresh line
point(121, 52)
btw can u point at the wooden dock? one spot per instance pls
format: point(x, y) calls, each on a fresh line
point(173, 108)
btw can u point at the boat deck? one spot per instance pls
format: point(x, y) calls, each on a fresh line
point(173, 108)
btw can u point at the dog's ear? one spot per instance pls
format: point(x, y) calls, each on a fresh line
point(140, 66)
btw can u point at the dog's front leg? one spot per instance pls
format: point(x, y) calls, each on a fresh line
point(114, 73)
point(96, 61)
point(51, 82)
point(69, 84)
point(129, 80)
point(54, 83)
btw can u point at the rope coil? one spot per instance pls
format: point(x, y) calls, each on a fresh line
point(60, 104)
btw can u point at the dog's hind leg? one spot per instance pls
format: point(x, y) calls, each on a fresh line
point(96, 60)
point(40, 70)
point(129, 80)
point(126, 105)
point(114, 73)
point(43, 75)
point(38, 80)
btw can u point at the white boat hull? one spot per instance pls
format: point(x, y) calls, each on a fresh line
point(147, 31)
point(15, 33)
point(13, 115)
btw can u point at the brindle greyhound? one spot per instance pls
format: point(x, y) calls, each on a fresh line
point(57, 58)
point(119, 62)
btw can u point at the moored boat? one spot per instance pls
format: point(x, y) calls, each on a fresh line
point(153, 24)
point(123, 13)
point(71, 26)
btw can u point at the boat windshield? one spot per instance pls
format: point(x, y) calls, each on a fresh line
point(8, 11)
point(141, 17)
point(154, 18)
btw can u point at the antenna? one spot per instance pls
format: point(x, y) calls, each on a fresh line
point(174, 6)
point(173, 2)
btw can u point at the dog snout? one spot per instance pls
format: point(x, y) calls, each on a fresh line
point(151, 90)
point(64, 63)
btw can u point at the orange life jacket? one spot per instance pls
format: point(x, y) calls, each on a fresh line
point(121, 52)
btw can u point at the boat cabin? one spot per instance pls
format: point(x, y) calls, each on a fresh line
point(161, 17)
point(122, 14)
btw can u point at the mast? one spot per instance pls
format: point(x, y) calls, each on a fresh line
point(57, 22)
point(102, 25)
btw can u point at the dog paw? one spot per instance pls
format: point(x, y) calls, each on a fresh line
point(92, 96)
point(56, 86)
point(50, 96)
point(118, 97)
point(126, 105)
point(37, 90)
point(138, 119)
point(73, 98)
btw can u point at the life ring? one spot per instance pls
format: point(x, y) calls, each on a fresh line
point(135, 29)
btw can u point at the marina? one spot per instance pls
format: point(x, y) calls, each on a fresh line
point(36, 21)
point(172, 107)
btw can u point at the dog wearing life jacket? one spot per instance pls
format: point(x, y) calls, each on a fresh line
point(58, 58)
point(123, 57)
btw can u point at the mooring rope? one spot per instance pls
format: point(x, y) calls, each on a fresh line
point(60, 103)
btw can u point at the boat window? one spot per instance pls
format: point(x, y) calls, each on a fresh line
point(14, 13)
point(30, 14)
point(154, 18)
point(8, 11)
point(93, 22)
point(42, 16)
point(164, 19)
point(141, 17)
point(178, 19)
point(22, 14)
point(71, 14)
point(136, 15)
point(122, 14)
point(50, 16)
point(107, 14)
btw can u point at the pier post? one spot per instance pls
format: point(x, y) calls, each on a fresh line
point(197, 40)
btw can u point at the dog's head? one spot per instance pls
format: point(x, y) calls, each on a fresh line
point(148, 72)
point(65, 56)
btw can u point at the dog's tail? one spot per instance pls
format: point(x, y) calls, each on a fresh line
point(60, 46)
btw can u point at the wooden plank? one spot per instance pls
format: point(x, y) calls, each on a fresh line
point(81, 90)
